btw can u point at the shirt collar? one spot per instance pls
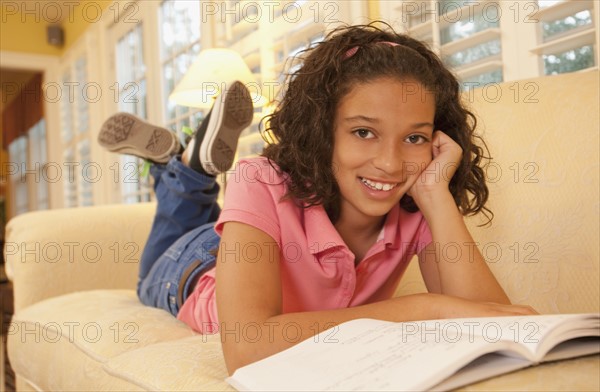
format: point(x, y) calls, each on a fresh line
point(322, 235)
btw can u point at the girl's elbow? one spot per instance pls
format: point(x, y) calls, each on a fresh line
point(236, 356)
point(239, 352)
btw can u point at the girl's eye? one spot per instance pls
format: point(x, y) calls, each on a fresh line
point(363, 133)
point(416, 139)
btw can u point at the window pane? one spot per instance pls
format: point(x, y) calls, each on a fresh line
point(140, 99)
point(473, 54)
point(569, 61)
point(168, 86)
point(131, 72)
point(180, 43)
point(82, 101)
point(70, 180)
point(466, 28)
point(134, 188)
point(551, 29)
point(38, 161)
point(17, 151)
point(179, 26)
point(88, 174)
point(66, 112)
point(482, 79)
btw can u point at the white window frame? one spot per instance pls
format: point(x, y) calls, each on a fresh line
point(128, 186)
point(75, 124)
point(519, 32)
point(571, 39)
point(17, 153)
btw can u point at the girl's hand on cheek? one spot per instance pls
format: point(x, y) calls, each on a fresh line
point(436, 176)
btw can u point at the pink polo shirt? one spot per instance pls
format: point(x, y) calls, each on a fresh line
point(317, 268)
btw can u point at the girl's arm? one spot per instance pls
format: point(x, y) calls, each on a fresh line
point(249, 302)
point(452, 264)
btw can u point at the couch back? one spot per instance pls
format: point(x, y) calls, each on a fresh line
point(543, 243)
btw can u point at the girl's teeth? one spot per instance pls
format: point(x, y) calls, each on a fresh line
point(377, 185)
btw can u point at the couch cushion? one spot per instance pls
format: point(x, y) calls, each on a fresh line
point(73, 335)
point(190, 364)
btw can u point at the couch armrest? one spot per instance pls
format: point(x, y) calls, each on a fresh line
point(54, 252)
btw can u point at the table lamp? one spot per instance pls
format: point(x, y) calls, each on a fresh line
point(208, 75)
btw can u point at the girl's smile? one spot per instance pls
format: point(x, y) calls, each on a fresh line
point(382, 142)
point(379, 186)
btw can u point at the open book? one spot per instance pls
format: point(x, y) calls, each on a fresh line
point(368, 354)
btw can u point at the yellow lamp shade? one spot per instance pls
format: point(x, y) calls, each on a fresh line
point(209, 75)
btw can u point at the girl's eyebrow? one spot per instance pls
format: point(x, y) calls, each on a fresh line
point(423, 125)
point(360, 117)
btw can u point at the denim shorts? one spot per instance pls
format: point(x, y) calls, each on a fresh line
point(193, 253)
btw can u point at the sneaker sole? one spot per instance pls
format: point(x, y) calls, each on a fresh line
point(126, 134)
point(231, 114)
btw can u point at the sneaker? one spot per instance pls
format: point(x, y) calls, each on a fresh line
point(212, 149)
point(125, 133)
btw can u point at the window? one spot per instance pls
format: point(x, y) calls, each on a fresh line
point(240, 18)
point(466, 28)
point(131, 84)
point(29, 182)
point(571, 22)
point(67, 115)
point(566, 36)
point(466, 34)
point(473, 54)
point(482, 79)
point(83, 112)
point(131, 73)
point(75, 125)
point(38, 159)
point(488, 41)
point(180, 44)
point(470, 40)
point(569, 61)
point(18, 155)
point(88, 174)
point(70, 179)
point(66, 111)
point(150, 58)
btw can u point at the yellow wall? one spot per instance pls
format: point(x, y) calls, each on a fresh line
point(373, 10)
point(23, 23)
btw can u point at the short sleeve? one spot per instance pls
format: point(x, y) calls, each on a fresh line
point(252, 195)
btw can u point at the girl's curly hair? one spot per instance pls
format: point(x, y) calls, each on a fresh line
point(303, 120)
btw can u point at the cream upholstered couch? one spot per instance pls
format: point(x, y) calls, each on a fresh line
point(79, 326)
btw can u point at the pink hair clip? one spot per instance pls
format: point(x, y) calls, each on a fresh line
point(352, 51)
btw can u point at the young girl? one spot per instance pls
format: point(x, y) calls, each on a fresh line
point(375, 162)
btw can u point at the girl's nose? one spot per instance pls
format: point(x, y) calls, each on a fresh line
point(388, 159)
